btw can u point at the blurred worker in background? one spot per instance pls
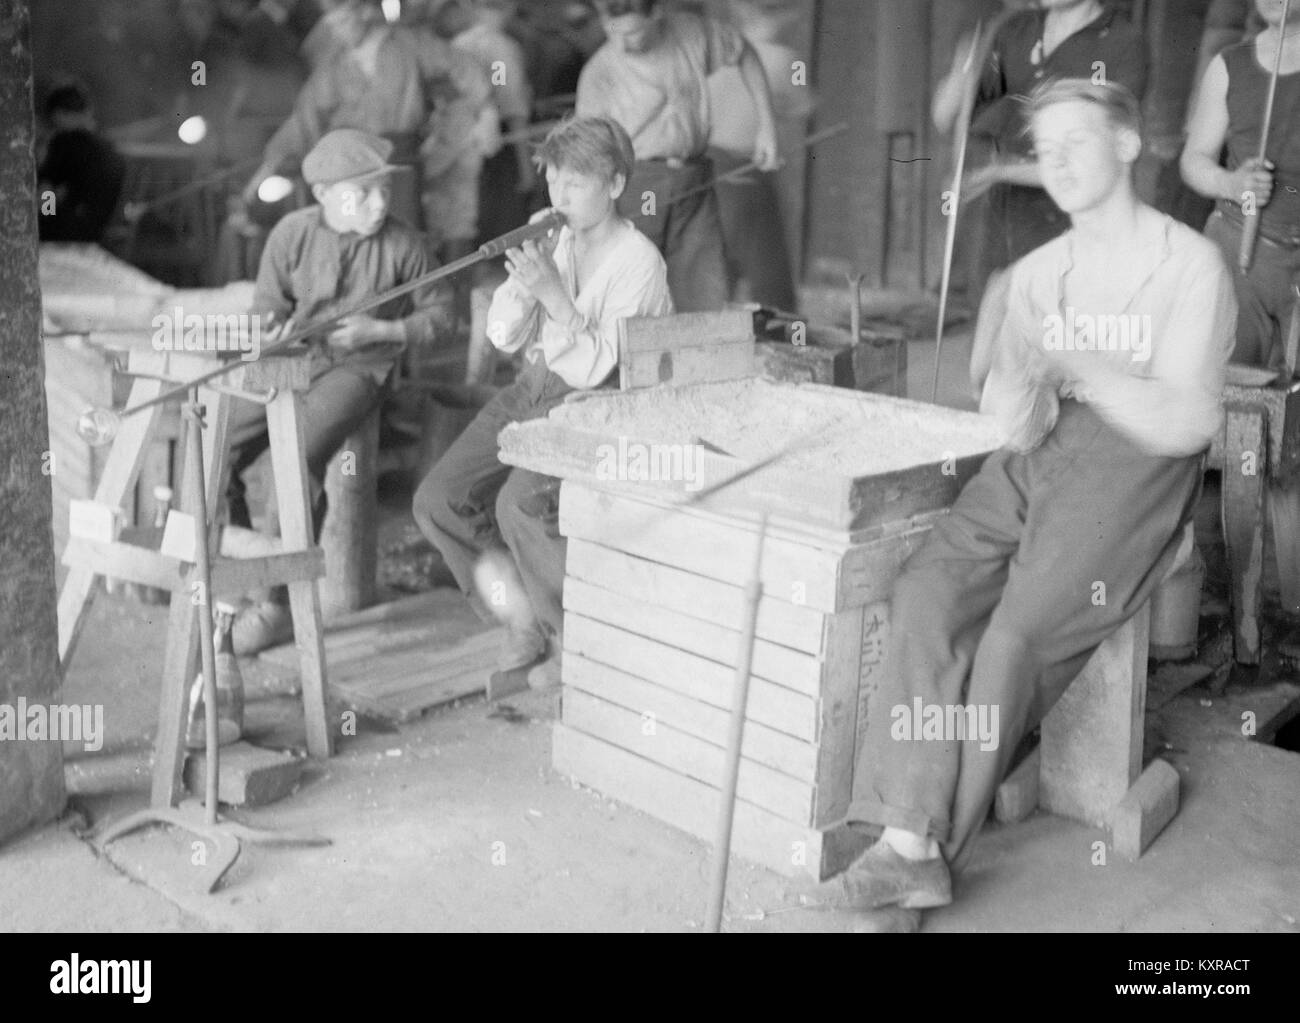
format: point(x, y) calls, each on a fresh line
point(651, 77)
point(1055, 39)
point(753, 225)
point(81, 173)
point(508, 178)
point(1229, 112)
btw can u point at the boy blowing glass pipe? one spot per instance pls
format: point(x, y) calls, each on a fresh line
point(317, 261)
point(561, 307)
point(1101, 470)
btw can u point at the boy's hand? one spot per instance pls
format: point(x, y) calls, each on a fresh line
point(1254, 177)
point(533, 268)
point(354, 332)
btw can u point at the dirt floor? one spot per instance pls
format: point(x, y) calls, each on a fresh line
point(457, 822)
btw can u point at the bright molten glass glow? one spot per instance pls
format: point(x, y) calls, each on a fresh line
point(274, 188)
point(193, 130)
point(98, 426)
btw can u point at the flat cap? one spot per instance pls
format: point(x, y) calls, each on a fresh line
point(346, 154)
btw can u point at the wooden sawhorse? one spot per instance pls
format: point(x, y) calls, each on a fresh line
point(1088, 765)
point(297, 561)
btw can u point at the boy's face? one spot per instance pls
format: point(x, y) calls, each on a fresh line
point(1082, 156)
point(631, 33)
point(584, 199)
point(359, 206)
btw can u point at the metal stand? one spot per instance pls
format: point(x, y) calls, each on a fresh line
point(202, 819)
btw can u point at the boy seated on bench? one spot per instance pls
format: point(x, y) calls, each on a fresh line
point(1107, 376)
point(561, 306)
point(318, 261)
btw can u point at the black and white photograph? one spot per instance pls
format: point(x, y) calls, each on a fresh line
point(646, 467)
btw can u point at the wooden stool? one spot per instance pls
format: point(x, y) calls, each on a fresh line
point(297, 561)
point(1088, 765)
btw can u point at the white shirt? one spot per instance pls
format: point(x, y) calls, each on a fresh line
point(631, 281)
point(1168, 396)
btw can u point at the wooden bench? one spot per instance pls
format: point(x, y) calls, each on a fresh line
point(1088, 765)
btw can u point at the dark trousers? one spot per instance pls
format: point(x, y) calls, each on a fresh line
point(335, 405)
point(470, 501)
point(1264, 294)
point(688, 233)
point(754, 234)
point(1042, 557)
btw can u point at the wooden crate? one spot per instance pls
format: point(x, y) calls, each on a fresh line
point(828, 356)
point(652, 632)
point(654, 593)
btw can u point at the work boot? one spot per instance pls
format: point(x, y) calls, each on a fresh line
point(881, 877)
point(265, 624)
point(523, 645)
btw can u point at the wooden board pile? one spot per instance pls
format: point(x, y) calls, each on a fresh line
point(654, 600)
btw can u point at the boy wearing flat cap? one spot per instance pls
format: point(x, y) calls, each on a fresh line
point(317, 261)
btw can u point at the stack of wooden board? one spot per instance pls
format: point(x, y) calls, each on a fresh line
point(653, 601)
point(397, 660)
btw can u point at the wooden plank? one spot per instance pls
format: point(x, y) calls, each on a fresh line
point(776, 706)
point(350, 535)
point(1091, 750)
point(685, 803)
point(784, 796)
point(233, 577)
point(800, 672)
point(1284, 513)
point(684, 330)
point(391, 672)
point(401, 688)
point(126, 562)
point(434, 619)
point(790, 625)
point(763, 745)
point(681, 366)
point(836, 746)
point(120, 471)
point(823, 578)
point(1243, 523)
point(284, 418)
point(688, 348)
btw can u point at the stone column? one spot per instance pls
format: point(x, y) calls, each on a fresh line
point(31, 770)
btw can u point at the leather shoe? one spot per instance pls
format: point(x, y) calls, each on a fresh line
point(881, 877)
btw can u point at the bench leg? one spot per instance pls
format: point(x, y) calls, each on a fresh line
point(1092, 738)
point(349, 537)
point(1090, 759)
point(1145, 810)
point(1243, 524)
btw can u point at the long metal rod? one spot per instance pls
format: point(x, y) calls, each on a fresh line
point(735, 736)
point(1250, 226)
point(203, 566)
point(488, 250)
point(139, 209)
point(821, 136)
point(300, 333)
point(983, 46)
